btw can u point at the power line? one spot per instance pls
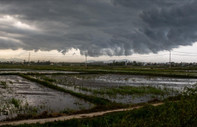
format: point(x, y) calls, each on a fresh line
point(148, 56)
point(184, 55)
point(192, 53)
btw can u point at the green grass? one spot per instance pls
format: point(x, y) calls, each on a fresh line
point(128, 90)
point(182, 113)
point(47, 78)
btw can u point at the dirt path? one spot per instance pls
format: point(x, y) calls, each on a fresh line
point(63, 118)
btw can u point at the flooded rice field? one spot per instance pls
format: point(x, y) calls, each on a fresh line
point(21, 96)
point(113, 80)
point(95, 85)
point(18, 95)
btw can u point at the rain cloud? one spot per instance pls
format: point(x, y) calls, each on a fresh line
point(99, 27)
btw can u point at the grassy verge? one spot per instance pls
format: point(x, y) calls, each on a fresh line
point(181, 113)
point(128, 90)
point(173, 74)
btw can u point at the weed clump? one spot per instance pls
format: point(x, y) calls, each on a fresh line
point(15, 102)
point(3, 84)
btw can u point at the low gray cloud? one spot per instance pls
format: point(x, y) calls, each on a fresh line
point(100, 27)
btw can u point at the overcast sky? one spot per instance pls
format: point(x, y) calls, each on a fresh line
point(104, 29)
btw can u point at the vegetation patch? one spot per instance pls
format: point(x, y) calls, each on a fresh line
point(47, 78)
point(15, 102)
point(3, 84)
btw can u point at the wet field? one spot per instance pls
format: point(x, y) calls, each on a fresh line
point(92, 84)
point(114, 80)
point(33, 97)
point(21, 96)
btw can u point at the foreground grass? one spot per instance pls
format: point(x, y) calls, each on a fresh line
point(182, 113)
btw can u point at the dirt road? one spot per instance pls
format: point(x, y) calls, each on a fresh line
point(63, 118)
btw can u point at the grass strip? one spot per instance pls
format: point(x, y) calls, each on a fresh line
point(128, 90)
point(172, 74)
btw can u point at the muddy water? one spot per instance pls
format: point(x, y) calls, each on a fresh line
point(36, 96)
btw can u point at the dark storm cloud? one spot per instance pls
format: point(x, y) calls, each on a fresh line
point(101, 27)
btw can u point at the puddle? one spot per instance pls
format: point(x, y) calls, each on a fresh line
point(36, 96)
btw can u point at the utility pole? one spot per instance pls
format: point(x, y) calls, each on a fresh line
point(86, 59)
point(170, 58)
point(29, 58)
point(126, 63)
